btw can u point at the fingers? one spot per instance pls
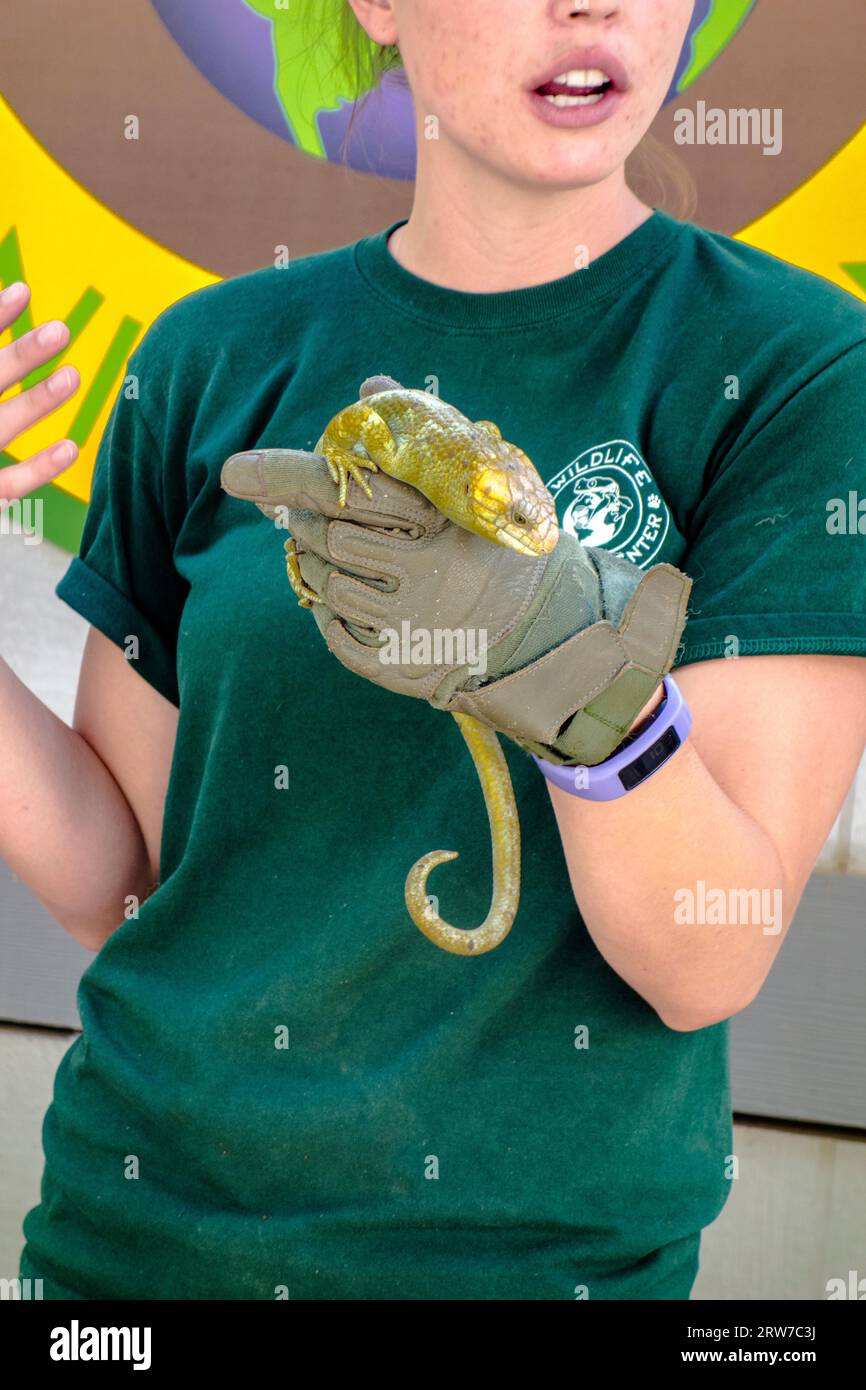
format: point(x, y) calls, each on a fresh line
point(19, 479)
point(326, 619)
point(368, 661)
point(360, 549)
point(352, 599)
point(19, 413)
point(292, 479)
point(364, 660)
point(13, 301)
point(23, 356)
point(310, 530)
point(315, 573)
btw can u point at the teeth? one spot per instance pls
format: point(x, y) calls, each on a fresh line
point(562, 100)
point(583, 77)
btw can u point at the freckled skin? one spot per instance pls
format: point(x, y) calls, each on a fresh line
point(489, 486)
point(467, 64)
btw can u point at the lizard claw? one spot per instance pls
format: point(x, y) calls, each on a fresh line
point(305, 595)
point(342, 465)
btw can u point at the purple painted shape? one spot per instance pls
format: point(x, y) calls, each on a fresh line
point(233, 48)
point(383, 132)
point(701, 10)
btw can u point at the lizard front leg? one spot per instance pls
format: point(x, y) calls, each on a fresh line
point(305, 595)
point(355, 439)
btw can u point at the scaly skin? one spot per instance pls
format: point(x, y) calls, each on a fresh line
point(481, 482)
point(498, 793)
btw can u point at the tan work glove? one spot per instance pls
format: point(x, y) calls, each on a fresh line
point(575, 642)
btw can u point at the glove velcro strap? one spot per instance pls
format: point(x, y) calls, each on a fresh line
point(537, 700)
point(594, 732)
point(612, 670)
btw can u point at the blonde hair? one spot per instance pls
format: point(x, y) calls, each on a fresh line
point(653, 171)
point(660, 179)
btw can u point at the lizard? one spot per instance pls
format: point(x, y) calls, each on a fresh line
point(479, 481)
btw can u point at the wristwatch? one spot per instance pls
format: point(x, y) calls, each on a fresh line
point(635, 759)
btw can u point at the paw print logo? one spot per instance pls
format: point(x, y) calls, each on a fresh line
point(609, 497)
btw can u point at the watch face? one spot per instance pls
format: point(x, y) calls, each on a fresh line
point(652, 758)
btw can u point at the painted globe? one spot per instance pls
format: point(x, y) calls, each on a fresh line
point(261, 59)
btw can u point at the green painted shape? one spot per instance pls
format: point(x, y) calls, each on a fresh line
point(721, 24)
point(103, 382)
point(62, 514)
point(76, 321)
point(311, 75)
point(12, 269)
point(857, 271)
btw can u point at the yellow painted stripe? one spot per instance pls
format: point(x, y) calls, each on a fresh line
point(70, 243)
point(822, 224)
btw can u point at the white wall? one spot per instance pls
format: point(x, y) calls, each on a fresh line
point(40, 636)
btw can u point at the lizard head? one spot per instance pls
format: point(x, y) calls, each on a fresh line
point(509, 503)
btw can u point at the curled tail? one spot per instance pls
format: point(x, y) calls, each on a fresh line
point(495, 781)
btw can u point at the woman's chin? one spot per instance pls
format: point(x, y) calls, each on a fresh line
point(582, 169)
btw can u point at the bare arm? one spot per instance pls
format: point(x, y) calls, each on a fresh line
point(81, 810)
point(747, 804)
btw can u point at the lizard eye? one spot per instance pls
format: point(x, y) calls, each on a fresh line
point(519, 518)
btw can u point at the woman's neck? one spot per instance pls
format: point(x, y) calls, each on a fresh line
point(487, 235)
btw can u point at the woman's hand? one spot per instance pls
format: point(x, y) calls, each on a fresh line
point(20, 412)
point(561, 652)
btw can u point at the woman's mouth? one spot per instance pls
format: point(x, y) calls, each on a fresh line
point(586, 89)
point(579, 87)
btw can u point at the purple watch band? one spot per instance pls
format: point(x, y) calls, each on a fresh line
point(637, 757)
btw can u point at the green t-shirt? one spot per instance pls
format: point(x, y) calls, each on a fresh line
point(522, 1125)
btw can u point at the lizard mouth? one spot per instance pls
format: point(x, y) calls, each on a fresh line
point(541, 542)
point(510, 504)
point(527, 527)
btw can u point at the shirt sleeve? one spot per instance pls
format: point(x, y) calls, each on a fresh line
point(777, 543)
point(124, 580)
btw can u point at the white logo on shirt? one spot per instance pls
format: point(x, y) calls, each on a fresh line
point(610, 499)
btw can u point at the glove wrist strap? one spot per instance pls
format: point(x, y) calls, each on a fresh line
point(639, 755)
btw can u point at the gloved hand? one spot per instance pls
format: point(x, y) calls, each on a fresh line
point(576, 641)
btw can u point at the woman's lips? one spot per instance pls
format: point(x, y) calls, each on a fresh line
point(589, 59)
point(582, 88)
point(571, 117)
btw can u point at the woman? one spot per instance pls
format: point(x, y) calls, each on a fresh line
point(282, 1089)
